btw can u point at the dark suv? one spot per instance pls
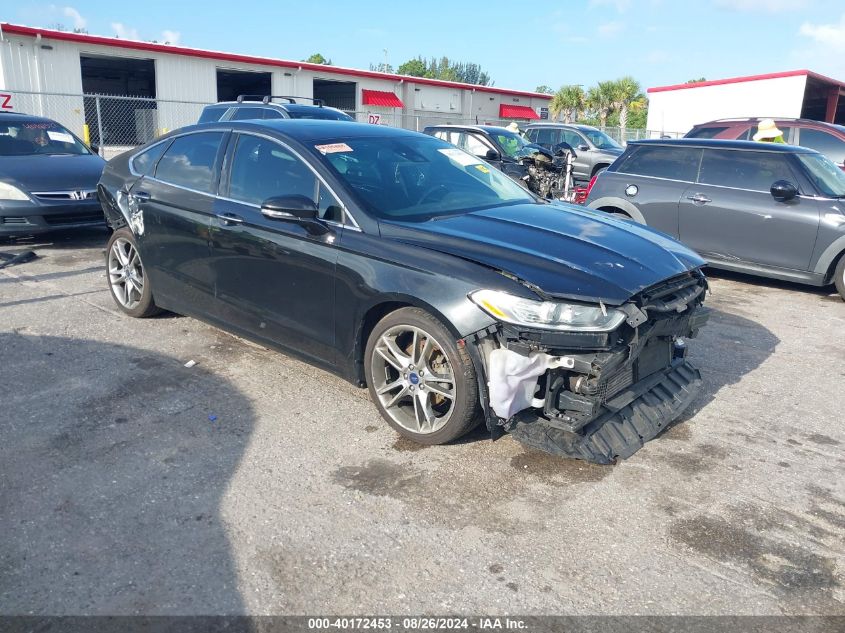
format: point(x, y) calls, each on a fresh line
point(826, 138)
point(263, 107)
point(595, 150)
point(762, 208)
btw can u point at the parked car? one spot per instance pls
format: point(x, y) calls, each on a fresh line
point(538, 169)
point(595, 150)
point(826, 138)
point(258, 107)
point(48, 177)
point(496, 145)
point(762, 208)
point(403, 263)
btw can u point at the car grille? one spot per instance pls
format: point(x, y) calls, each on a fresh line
point(13, 220)
point(612, 385)
point(73, 218)
point(82, 194)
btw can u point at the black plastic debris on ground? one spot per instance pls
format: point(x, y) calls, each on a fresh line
point(13, 259)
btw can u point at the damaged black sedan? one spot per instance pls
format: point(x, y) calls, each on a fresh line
point(411, 267)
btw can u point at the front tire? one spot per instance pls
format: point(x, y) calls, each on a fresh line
point(129, 285)
point(424, 386)
point(839, 276)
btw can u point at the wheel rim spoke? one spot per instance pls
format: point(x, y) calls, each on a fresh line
point(413, 395)
point(126, 274)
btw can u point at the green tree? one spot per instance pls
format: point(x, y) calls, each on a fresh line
point(569, 101)
point(600, 100)
point(544, 90)
point(444, 68)
point(414, 67)
point(696, 81)
point(317, 58)
point(381, 68)
point(625, 95)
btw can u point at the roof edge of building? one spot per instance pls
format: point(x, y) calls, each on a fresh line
point(18, 29)
point(737, 80)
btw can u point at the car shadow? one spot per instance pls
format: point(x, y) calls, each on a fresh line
point(726, 349)
point(825, 292)
point(113, 464)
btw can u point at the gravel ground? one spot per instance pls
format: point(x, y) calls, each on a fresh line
point(253, 483)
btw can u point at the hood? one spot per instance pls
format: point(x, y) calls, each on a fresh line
point(52, 172)
point(565, 251)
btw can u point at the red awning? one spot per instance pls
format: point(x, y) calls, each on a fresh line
point(517, 112)
point(381, 98)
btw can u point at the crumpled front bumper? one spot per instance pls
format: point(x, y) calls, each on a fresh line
point(599, 396)
point(620, 433)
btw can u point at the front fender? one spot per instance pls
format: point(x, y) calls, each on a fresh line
point(829, 255)
point(620, 204)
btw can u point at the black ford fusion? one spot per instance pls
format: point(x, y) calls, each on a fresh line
point(407, 265)
point(48, 177)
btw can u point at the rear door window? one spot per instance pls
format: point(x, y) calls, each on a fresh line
point(244, 114)
point(706, 132)
point(190, 161)
point(754, 171)
point(547, 137)
point(143, 162)
point(824, 143)
point(263, 169)
point(660, 161)
point(212, 114)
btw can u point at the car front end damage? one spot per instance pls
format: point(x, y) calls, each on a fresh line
point(594, 395)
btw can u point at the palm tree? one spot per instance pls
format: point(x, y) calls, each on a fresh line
point(569, 100)
point(627, 96)
point(600, 99)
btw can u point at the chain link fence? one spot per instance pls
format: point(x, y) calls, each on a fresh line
point(117, 123)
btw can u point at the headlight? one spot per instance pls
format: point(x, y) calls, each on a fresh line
point(10, 192)
point(547, 315)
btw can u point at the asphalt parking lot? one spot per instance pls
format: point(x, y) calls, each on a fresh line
point(253, 483)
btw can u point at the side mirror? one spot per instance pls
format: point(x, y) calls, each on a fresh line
point(492, 155)
point(298, 209)
point(583, 147)
point(783, 191)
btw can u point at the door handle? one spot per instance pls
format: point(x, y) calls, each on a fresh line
point(141, 196)
point(699, 198)
point(230, 218)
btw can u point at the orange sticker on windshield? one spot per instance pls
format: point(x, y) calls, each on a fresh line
point(333, 148)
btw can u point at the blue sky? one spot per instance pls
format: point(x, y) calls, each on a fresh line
point(519, 44)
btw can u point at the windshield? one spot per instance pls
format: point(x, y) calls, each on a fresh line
point(27, 138)
point(513, 145)
point(827, 177)
point(600, 139)
point(412, 178)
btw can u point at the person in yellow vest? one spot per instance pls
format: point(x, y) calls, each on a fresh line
point(768, 132)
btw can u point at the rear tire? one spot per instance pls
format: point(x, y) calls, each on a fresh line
point(839, 277)
point(423, 384)
point(128, 283)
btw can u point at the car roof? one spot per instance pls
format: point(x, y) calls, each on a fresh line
point(755, 119)
point(724, 144)
point(577, 126)
point(8, 117)
point(305, 130)
point(477, 128)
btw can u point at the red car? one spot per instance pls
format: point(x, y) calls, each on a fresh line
point(827, 138)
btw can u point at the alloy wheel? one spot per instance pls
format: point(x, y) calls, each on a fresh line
point(413, 379)
point(126, 273)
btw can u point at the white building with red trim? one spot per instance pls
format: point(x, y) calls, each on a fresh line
point(48, 61)
point(792, 94)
